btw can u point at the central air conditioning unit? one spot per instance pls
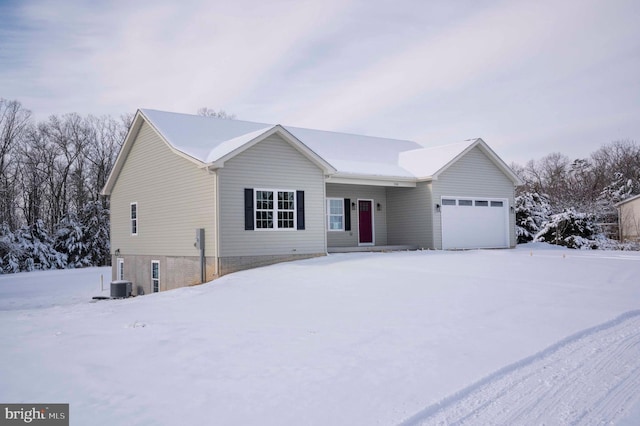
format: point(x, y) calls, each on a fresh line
point(120, 289)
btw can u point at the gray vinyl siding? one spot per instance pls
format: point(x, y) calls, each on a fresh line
point(174, 198)
point(355, 192)
point(473, 175)
point(410, 216)
point(270, 164)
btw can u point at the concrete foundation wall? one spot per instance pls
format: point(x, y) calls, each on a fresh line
point(175, 272)
point(239, 263)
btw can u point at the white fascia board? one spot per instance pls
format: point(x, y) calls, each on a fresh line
point(171, 147)
point(500, 163)
point(261, 135)
point(635, 197)
point(327, 168)
point(132, 133)
point(372, 180)
point(492, 156)
point(306, 151)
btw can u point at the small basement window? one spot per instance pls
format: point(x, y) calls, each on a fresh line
point(497, 204)
point(155, 276)
point(465, 202)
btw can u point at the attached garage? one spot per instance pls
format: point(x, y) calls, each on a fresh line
point(474, 222)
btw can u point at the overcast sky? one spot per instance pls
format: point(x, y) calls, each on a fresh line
point(529, 77)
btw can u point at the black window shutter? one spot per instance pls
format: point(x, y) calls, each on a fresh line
point(248, 209)
point(300, 209)
point(347, 214)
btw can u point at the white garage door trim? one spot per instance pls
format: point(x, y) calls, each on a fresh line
point(474, 222)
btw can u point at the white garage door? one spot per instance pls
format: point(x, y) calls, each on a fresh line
point(474, 223)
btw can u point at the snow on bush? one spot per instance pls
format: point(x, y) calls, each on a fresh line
point(76, 243)
point(570, 229)
point(37, 249)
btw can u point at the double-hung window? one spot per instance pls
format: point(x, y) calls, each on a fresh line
point(134, 218)
point(286, 209)
point(335, 214)
point(275, 209)
point(264, 209)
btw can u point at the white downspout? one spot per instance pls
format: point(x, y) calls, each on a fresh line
point(216, 177)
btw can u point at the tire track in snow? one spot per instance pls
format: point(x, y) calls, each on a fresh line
point(592, 377)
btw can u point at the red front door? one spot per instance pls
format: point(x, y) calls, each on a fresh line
point(365, 221)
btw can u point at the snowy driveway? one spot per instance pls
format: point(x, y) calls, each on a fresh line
point(590, 378)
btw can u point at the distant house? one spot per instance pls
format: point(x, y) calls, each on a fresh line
point(264, 193)
point(629, 219)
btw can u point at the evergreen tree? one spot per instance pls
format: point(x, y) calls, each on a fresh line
point(70, 240)
point(95, 222)
point(532, 212)
point(37, 249)
point(10, 252)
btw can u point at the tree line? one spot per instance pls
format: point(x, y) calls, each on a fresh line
point(52, 172)
point(51, 175)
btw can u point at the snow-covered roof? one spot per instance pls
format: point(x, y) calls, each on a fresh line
point(208, 139)
point(211, 141)
point(231, 145)
point(426, 162)
point(357, 154)
point(199, 136)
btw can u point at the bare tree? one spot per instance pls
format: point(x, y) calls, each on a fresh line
point(14, 123)
point(32, 170)
point(106, 138)
point(618, 159)
point(208, 112)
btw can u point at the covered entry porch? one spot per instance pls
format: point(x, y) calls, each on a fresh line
point(382, 217)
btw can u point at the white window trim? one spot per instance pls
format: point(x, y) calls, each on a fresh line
point(137, 219)
point(154, 279)
point(329, 214)
point(275, 210)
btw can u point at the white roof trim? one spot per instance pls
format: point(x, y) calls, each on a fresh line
point(244, 142)
point(387, 165)
point(635, 197)
point(230, 146)
point(371, 180)
point(136, 124)
point(169, 144)
point(492, 156)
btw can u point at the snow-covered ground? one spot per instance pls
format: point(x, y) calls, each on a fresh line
point(536, 335)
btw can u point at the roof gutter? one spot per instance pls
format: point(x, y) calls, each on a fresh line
point(372, 180)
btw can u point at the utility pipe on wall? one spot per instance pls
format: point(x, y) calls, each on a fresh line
point(200, 245)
